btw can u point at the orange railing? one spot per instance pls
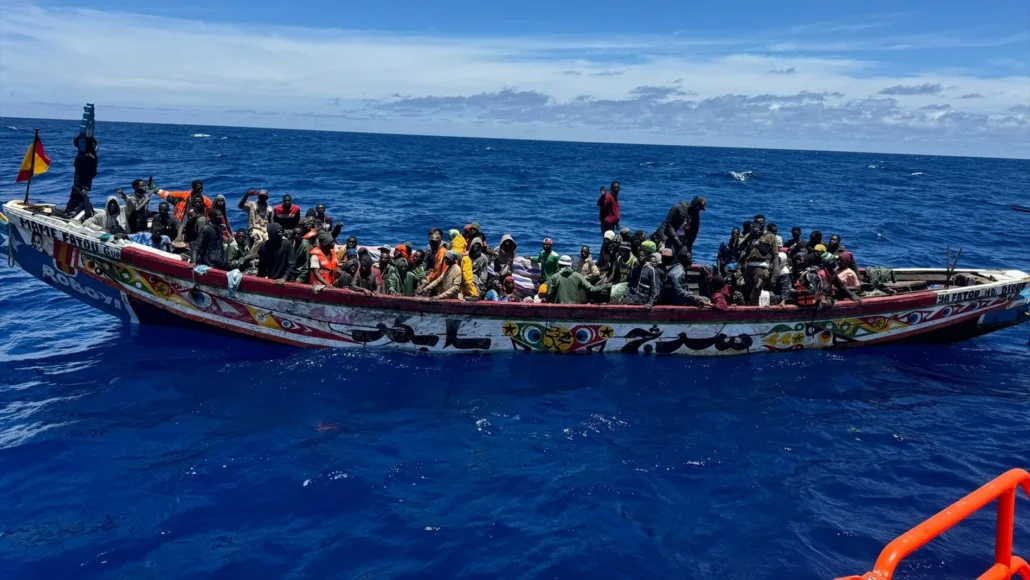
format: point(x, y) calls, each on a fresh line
point(1006, 566)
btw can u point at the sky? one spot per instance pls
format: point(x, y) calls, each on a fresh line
point(943, 77)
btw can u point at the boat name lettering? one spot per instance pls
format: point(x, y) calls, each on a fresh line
point(83, 243)
point(58, 278)
point(967, 295)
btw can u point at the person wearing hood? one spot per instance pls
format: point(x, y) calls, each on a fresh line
point(479, 265)
point(608, 204)
point(113, 220)
point(184, 200)
point(782, 279)
point(681, 224)
point(348, 271)
point(219, 204)
point(416, 273)
point(238, 251)
point(586, 266)
point(259, 213)
point(547, 260)
point(275, 257)
point(504, 260)
point(504, 291)
point(568, 286)
point(210, 247)
point(648, 286)
point(366, 280)
point(393, 282)
point(138, 205)
point(449, 285)
point(675, 290)
point(164, 228)
point(458, 243)
point(322, 263)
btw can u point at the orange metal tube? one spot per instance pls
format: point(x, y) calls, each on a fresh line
point(1003, 488)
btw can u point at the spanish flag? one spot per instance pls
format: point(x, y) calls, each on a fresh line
point(35, 162)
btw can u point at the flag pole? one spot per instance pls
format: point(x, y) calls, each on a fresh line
point(32, 166)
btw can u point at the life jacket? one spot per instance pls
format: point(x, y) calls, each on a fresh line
point(326, 266)
point(810, 286)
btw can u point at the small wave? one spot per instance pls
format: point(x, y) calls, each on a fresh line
point(741, 176)
point(200, 135)
point(489, 148)
point(648, 164)
point(872, 166)
point(11, 128)
point(917, 173)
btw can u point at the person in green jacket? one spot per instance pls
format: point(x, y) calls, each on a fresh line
point(396, 272)
point(237, 251)
point(415, 274)
point(547, 260)
point(567, 285)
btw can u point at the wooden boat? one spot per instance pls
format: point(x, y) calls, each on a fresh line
point(139, 284)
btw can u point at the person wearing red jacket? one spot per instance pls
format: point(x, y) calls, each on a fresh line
point(286, 214)
point(608, 203)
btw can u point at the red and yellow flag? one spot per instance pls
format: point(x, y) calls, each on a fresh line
point(35, 162)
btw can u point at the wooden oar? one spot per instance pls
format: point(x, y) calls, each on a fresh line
point(1021, 208)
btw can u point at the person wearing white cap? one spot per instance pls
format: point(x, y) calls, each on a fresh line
point(609, 252)
point(566, 286)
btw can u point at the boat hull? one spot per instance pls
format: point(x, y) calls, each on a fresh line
point(140, 285)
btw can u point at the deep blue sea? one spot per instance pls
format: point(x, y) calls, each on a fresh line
point(160, 453)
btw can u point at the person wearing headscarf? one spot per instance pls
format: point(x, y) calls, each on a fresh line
point(478, 269)
point(609, 252)
point(113, 220)
point(449, 285)
point(393, 281)
point(458, 243)
point(348, 270)
point(219, 203)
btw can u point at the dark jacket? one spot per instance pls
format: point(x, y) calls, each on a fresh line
point(158, 228)
point(648, 286)
point(675, 290)
point(210, 248)
point(275, 259)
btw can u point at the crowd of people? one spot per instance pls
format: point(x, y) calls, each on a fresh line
point(754, 267)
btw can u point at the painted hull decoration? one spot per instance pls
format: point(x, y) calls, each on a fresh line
point(138, 284)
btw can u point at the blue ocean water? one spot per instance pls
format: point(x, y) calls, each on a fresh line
point(162, 453)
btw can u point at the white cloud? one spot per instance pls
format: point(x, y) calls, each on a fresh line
point(662, 89)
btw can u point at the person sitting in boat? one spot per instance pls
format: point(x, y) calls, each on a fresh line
point(383, 265)
point(721, 293)
point(472, 232)
point(416, 273)
point(457, 242)
point(259, 214)
point(286, 214)
point(237, 253)
point(675, 291)
point(164, 228)
point(729, 252)
point(302, 246)
point(848, 259)
point(775, 230)
point(568, 286)
point(274, 255)
point(834, 246)
point(210, 246)
point(782, 276)
point(619, 273)
point(480, 266)
point(227, 232)
point(367, 280)
point(347, 270)
point(795, 244)
point(504, 291)
point(504, 258)
point(183, 200)
point(846, 275)
point(816, 239)
point(609, 252)
point(138, 205)
point(322, 263)
point(189, 231)
point(647, 287)
point(393, 280)
point(547, 260)
point(586, 266)
point(113, 220)
point(447, 286)
point(834, 287)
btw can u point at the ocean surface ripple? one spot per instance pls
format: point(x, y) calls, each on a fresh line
point(162, 453)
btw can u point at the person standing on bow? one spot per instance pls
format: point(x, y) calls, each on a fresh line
point(608, 204)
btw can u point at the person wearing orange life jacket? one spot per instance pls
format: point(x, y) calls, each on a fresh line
point(323, 262)
point(439, 264)
point(183, 200)
point(286, 214)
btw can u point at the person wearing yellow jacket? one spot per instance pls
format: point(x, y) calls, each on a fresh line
point(458, 243)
